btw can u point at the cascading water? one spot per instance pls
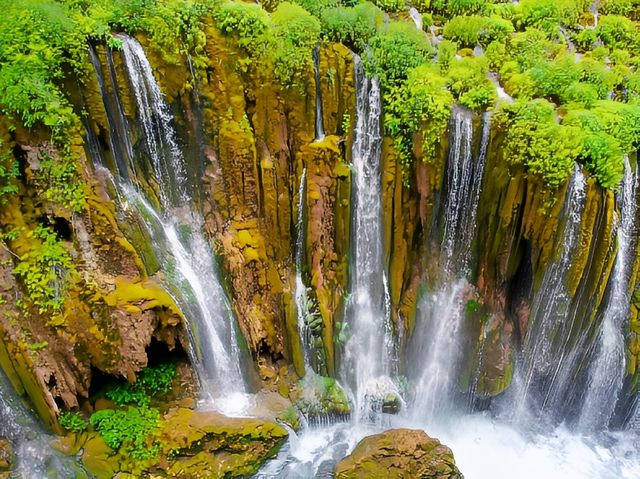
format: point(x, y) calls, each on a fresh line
point(316, 74)
point(365, 368)
point(174, 229)
point(608, 367)
point(303, 309)
point(437, 340)
point(551, 317)
point(35, 456)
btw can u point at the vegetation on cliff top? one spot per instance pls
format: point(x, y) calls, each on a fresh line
point(536, 49)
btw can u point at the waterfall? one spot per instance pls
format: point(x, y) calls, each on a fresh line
point(541, 359)
point(174, 229)
point(369, 349)
point(608, 367)
point(316, 75)
point(437, 340)
point(34, 455)
point(303, 306)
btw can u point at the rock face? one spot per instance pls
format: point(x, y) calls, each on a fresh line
point(6, 458)
point(399, 453)
point(196, 445)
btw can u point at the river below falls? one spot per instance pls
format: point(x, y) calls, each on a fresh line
point(482, 446)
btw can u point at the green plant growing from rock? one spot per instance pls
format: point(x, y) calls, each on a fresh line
point(73, 422)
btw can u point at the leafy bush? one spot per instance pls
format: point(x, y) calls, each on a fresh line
point(391, 5)
point(535, 141)
point(318, 7)
point(149, 382)
point(468, 31)
point(396, 49)
point(451, 8)
point(45, 269)
point(294, 34)
point(616, 7)
point(73, 421)
point(547, 15)
point(353, 26)
point(601, 155)
point(246, 20)
point(8, 173)
point(422, 105)
point(131, 429)
point(616, 31)
point(468, 82)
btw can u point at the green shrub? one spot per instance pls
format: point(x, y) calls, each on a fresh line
point(294, 34)
point(45, 270)
point(547, 15)
point(581, 94)
point(73, 421)
point(130, 430)
point(535, 141)
point(353, 26)
point(602, 156)
point(396, 49)
point(586, 39)
point(8, 173)
point(422, 105)
point(468, 81)
point(451, 8)
point(468, 31)
point(616, 7)
point(617, 31)
point(318, 7)
point(246, 20)
point(391, 5)
point(149, 382)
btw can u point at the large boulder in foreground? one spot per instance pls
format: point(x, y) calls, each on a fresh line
point(399, 453)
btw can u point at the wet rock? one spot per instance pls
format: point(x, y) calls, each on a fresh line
point(391, 404)
point(399, 453)
point(322, 396)
point(7, 458)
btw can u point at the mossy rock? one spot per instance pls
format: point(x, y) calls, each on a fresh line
point(320, 395)
point(7, 458)
point(399, 453)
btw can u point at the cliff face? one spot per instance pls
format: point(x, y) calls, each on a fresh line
point(247, 141)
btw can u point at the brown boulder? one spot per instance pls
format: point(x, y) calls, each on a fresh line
point(399, 453)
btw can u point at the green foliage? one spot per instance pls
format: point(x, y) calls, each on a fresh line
point(468, 31)
point(536, 141)
point(318, 7)
point(420, 104)
point(548, 15)
point(149, 382)
point(246, 20)
point(45, 270)
point(8, 173)
point(396, 49)
point(472, 306)
point(130, 429)
point(616, 7)
point(73, 421)
point(391, 5)
point(451, 8)
point(294, 34)
point(353, 26)
point(468, 82)
point(617, 31)
point(602, 157)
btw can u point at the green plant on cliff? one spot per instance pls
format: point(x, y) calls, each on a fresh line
point(46, 269)
point(536, 141)
point(246, 20)
point(395, 50)
point(149, 382)
point(129, 430)
point(8, 174)
point(73, 421)
point(353, 26)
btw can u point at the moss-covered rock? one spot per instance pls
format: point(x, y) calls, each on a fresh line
point(399, 453)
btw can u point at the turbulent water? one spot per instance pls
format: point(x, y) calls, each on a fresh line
point(36, 459)
point(508, 440)
point(173, 226)
point(608, 367)
point(366, 364)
